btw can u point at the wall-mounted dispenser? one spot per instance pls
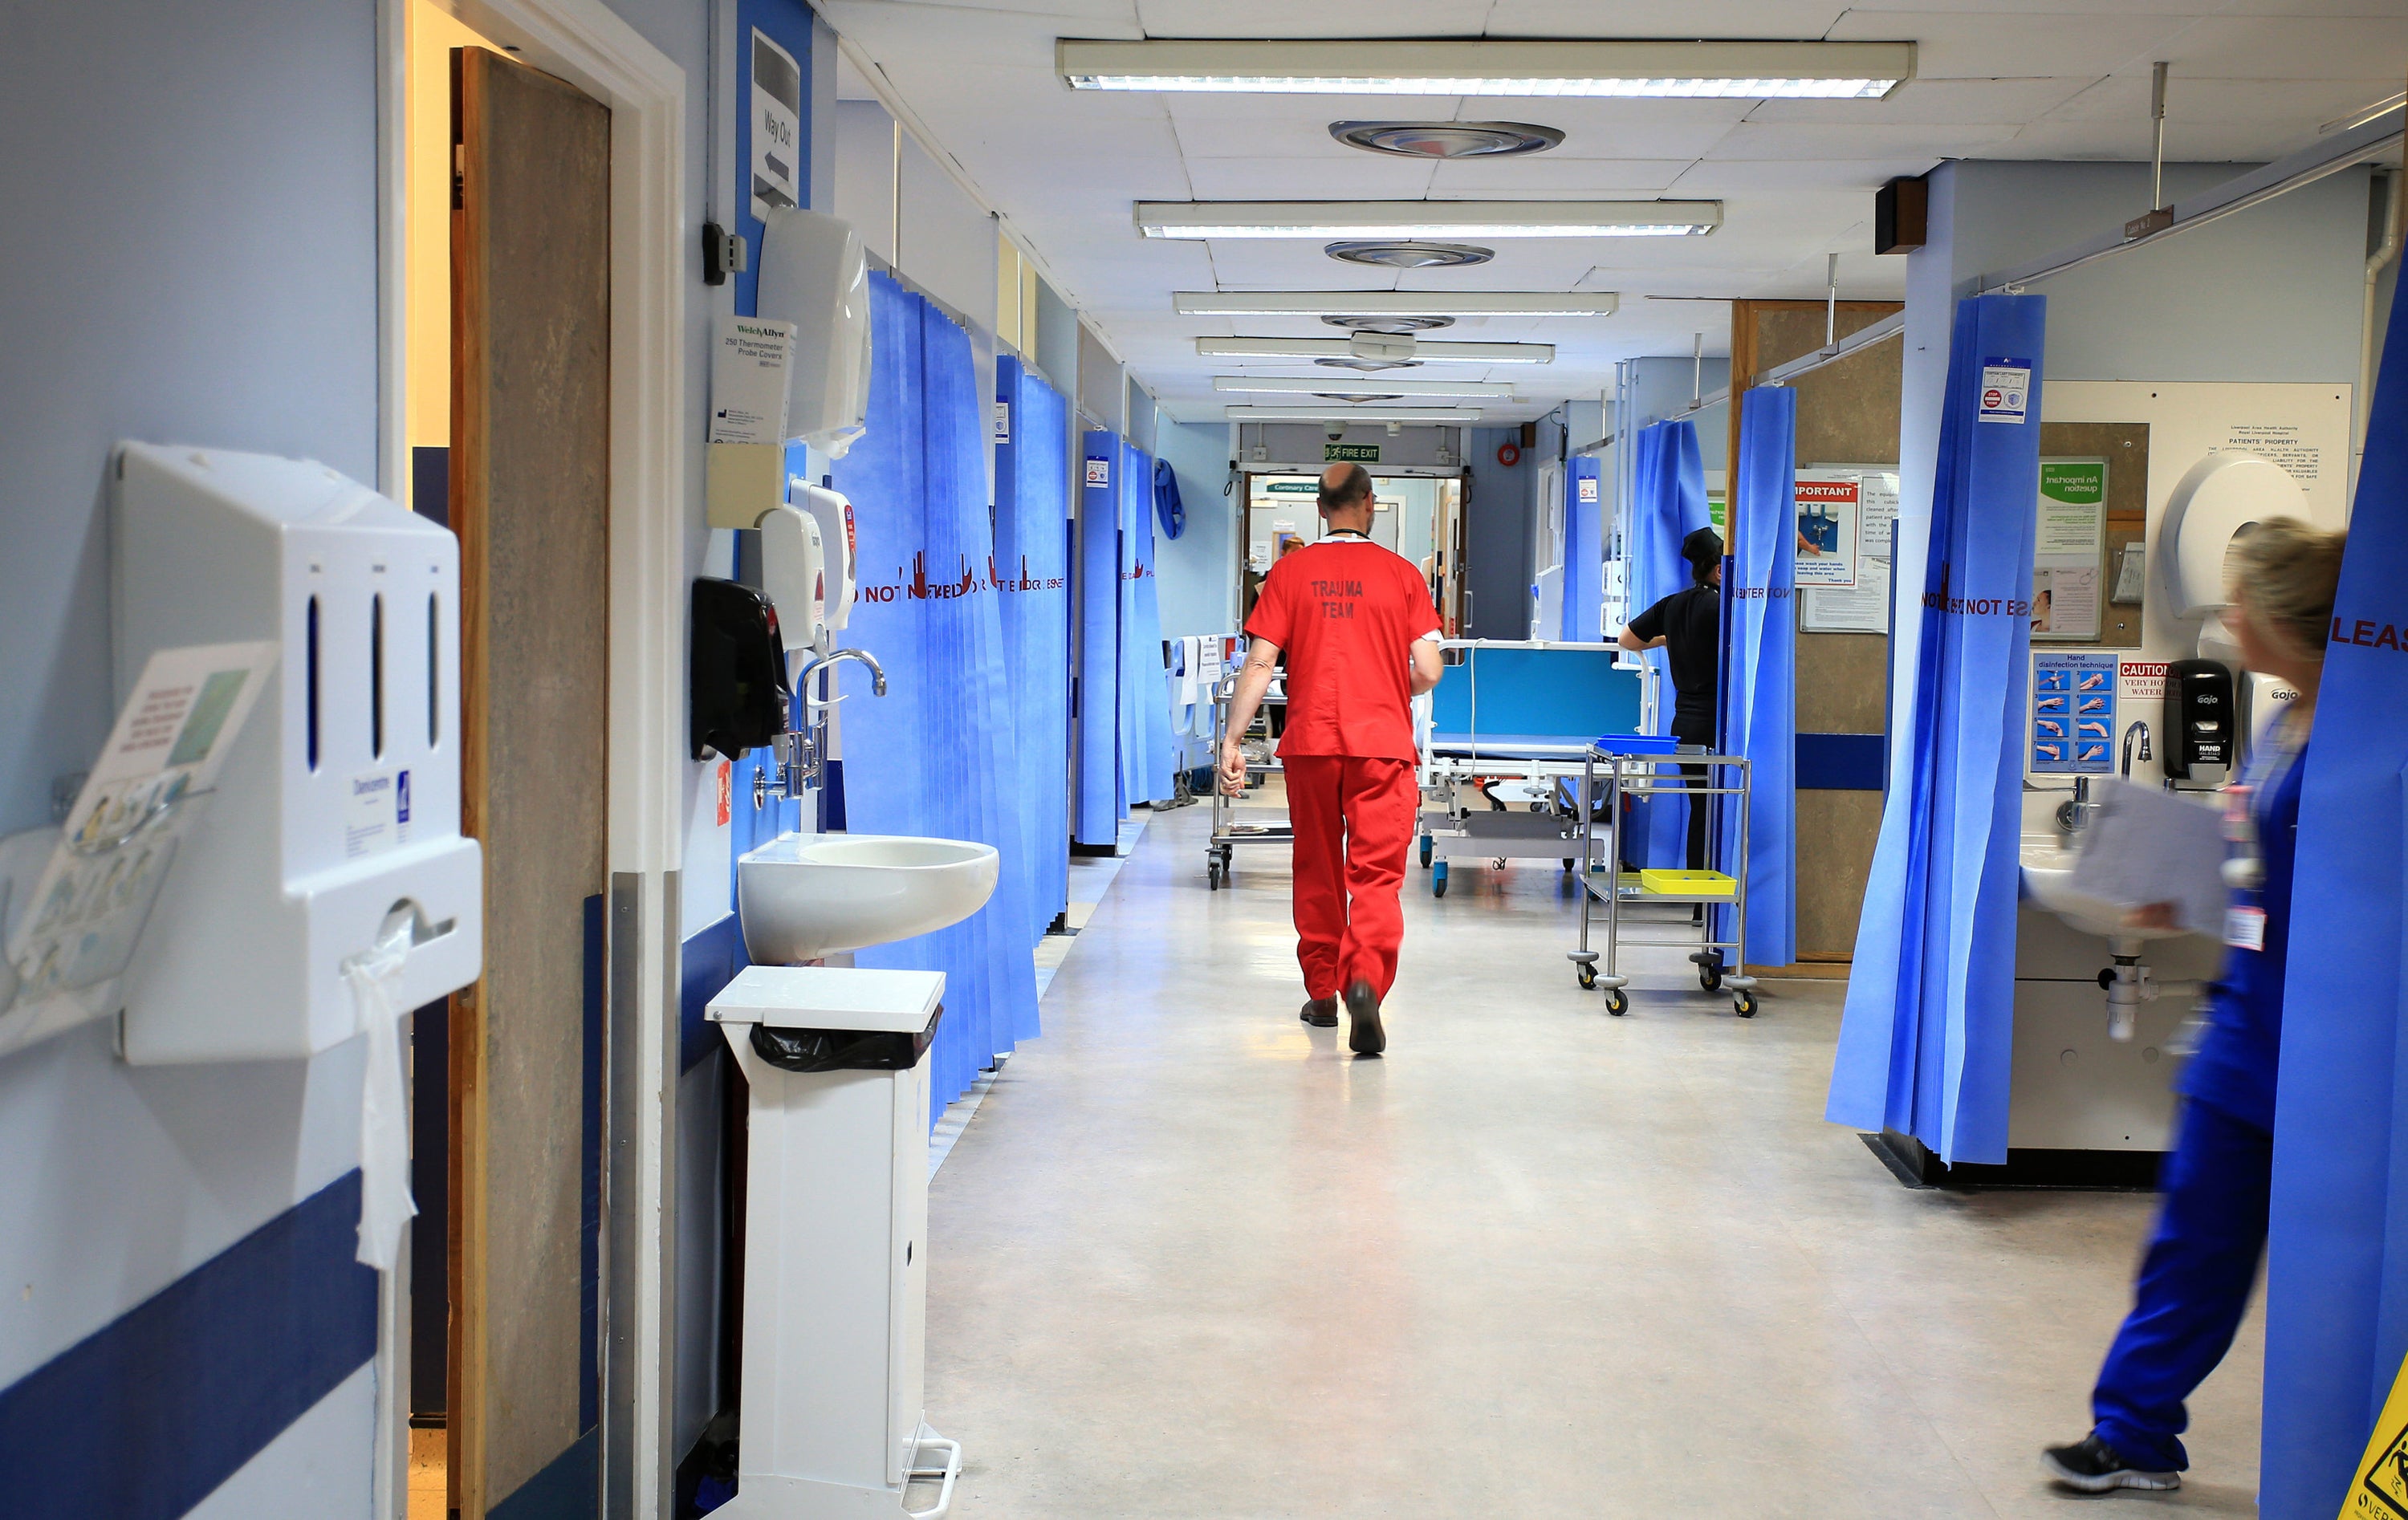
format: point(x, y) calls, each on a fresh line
point(736, 676)
point(2202, 730)
point(2217, 499)
point(834, 511)
point(794, 573)
point(335, 820)
point(814, 274)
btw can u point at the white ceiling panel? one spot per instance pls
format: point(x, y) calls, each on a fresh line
point(1800, 19)
point(2003, 79)
point(1545, 174)
point(2295, 48)
point(1992, 46)
point(1827, 140)
point(1360, 177)
point(1935, 102)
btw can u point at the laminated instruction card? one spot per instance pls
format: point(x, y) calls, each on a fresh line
point(78, 926)
point(2069, 547)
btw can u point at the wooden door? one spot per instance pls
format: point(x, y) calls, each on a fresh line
point(530, 419)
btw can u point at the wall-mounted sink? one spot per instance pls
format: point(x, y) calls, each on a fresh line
point(804, 895)
point(2048, 883)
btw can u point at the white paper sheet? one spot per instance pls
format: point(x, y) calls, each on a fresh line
point(2146, 846)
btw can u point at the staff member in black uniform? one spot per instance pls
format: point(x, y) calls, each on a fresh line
point(1688, 627)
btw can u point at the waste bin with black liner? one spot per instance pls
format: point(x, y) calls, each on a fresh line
point(836, 1247)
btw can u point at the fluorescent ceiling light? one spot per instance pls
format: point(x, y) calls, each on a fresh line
point(1393, 304)
point(1427, 218)
point(1479, 66)
point(1366, 385)
point(1339, 348)
point(1354, 414)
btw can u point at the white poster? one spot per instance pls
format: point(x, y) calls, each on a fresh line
point(749, 358)
point(1827, 522)
point(1826, 607)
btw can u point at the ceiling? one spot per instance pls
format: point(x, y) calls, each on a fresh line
point(2251, 79)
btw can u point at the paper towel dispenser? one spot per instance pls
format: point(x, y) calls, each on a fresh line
point(2217, 500)
point(814, 274)
point(736, 672)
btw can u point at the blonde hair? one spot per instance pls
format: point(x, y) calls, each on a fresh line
point(2289, 571)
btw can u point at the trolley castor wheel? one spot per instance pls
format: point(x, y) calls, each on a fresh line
point(1743, 1003)
point(1425, 852)
point(1437, 880)
point(1616, 1002)
point(1587, 974)
point(1212, 875)
point(1711, 978)
point(1567, 863)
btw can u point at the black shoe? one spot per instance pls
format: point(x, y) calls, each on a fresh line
point(2094, 1466)
point(1366, 1038)
point(1321, 1013)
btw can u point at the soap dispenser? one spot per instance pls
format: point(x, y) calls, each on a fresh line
point(738, 673)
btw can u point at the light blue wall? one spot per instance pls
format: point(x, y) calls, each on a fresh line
point(190, 244)
point(1200, 568)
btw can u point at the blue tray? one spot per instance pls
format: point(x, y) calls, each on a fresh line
point(1638, 743)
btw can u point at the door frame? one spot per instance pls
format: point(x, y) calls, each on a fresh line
point(651, 482)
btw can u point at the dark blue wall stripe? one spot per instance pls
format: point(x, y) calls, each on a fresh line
point(708, 962)
point(589, 1225)
point(1841, 762)
point(145, 1417)
point(569, 1487)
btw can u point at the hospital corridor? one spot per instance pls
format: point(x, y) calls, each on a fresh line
point(1203, 759)
point(1209, 1264)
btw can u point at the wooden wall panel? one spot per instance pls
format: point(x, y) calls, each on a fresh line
point(1848, 414)
point(530, 499)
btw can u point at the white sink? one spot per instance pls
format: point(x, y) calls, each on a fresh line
point(805, 895)
point(2048, 883)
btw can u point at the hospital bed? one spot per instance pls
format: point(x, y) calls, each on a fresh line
point(1503, 744)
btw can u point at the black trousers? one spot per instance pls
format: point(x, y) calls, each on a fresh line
point(1691, 730)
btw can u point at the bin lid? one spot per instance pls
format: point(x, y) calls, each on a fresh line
point(829, 998)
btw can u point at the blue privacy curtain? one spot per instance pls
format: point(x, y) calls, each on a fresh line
point(1926, 1041)
point(930, 757)
point(2337, 1251)
point(1583, 551)
point(1668, 503)
point(1759, 689)
point(1099, 805)
point(1032, 543)
point(1146, 755)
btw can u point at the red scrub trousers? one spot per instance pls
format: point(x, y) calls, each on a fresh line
point(1353, 819)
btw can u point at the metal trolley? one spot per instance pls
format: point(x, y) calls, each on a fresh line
point(1227, 833)
point(1608, 777)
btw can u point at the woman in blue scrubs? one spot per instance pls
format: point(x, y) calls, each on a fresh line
point(2211, 1231)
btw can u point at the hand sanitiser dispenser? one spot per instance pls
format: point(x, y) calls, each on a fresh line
point(2201, 722)
point(334, 830)
point(737, 670)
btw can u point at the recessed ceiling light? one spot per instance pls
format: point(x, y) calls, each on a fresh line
point(1388, 324)
point(1341, 411)
point(1327, 385)
point(1322, 350)
point(1410, 255)
point(1427, 218)
point(1487, 67)
point(1355, 305)
point(1446, 140)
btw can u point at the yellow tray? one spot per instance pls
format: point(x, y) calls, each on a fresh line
point(1689, 884)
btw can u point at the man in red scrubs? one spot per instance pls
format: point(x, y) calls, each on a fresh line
point(1361, 637)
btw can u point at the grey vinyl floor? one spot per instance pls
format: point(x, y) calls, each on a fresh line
point(1190, 1259)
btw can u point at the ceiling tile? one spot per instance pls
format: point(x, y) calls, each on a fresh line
point(2294, 48)
point(1937, 102)
point(1326, 18)
point(1557, 178)
point(2302, 105)
point(1644, 19)
point(1995, 46)
point(1365, 177)
point(1824, 141)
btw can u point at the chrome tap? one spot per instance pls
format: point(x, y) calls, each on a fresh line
point(2139, 728)
point(2073, 814)
point(802, 750)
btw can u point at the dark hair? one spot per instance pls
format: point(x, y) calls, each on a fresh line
point(1703, 550)
point(1355, 487)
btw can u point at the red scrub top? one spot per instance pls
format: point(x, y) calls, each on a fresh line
point(1346, 613)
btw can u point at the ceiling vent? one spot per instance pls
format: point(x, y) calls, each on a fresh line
point(1367, 365)
point(1351, 398)
point(1389, 325)
point(1410, 255)
point(1446, 140)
